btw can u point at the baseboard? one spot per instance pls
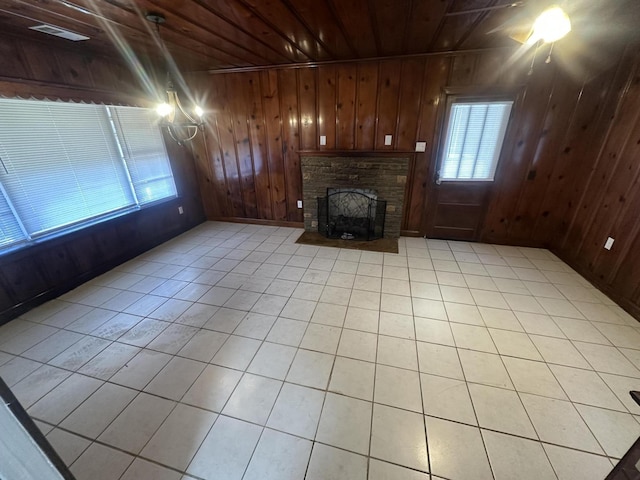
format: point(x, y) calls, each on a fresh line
point(410, 233)
point(630, 307)
point(513, 242)
point(258, 221)
point(16, 310)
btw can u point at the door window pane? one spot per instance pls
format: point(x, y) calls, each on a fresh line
point(475, 133)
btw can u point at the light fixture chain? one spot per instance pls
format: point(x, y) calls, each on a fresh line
point(168, 110)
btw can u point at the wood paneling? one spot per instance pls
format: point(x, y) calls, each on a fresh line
point(409, 103)
point(607, 201)
point(307, 84)
point(42, 271)
point(226, 34)
point(327, 103)
point(356, 18)
point(389, 77)
point(43, 69)
point(366, 106)
point(273, 127)
point(353, 105)
point(240, 96)
point(290, 142)
point(346, 107)
point(553, 187)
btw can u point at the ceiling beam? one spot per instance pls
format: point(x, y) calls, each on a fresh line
point(285, 66)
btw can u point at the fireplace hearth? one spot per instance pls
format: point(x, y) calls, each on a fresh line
point(375, 175)
point(351, 214)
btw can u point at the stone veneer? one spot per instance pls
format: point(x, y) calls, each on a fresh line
point(386, 175)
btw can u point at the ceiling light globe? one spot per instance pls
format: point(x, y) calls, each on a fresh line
point(164, 109)
point(551, 25)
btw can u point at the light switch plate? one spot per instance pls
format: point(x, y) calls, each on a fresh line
point(609, 243)
point(421, 146)
point(180, 210)
point(299, 203)
point(323, 139)
point(388, 139)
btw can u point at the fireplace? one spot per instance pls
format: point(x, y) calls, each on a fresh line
point(351, 214)
point(381, 173)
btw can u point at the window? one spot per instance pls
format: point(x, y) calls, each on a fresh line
point(144, 152)
point(474, 136)
point(63, 165)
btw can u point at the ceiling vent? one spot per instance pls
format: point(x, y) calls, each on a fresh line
point(59, 32)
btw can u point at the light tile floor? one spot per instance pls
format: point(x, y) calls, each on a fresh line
point(231, 352)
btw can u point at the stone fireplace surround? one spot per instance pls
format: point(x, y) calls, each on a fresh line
point(385, 174)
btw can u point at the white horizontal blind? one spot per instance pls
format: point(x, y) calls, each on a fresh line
point(10, 230)
point(475, 133)
point(145, 153)
point(62, 164)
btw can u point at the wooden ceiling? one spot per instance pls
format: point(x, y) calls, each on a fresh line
point(229, 34)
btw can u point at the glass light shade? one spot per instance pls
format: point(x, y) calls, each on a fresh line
point(164, 109)
point(550, 26)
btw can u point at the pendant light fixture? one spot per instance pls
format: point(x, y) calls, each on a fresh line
point(181, 124)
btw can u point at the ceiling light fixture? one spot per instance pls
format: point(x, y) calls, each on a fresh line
point(550, 26)
point(181, 125)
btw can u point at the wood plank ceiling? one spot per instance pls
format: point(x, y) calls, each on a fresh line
point(228, 34)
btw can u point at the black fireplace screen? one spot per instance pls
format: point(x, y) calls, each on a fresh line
point(351, 214)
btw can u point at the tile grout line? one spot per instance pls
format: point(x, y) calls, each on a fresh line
point(264, 340)
point(473, 406)
point(373, 393)
point(422, 399)
point(314, 442)
point(264, 427)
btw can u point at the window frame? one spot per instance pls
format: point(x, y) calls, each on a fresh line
point(30, 240)
point(453, 97)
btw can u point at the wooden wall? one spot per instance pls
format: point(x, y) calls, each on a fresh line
point(603, 198)
point(572, 176)
point(45, 270)
point(57, 68)
point(567, 177)
point(259, 121)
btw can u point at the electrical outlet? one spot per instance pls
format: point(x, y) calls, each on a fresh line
point(388, 139)
point(323, 139)
point(180, 210)
point(299, 203)
point(609, 243)
point(421, 146)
